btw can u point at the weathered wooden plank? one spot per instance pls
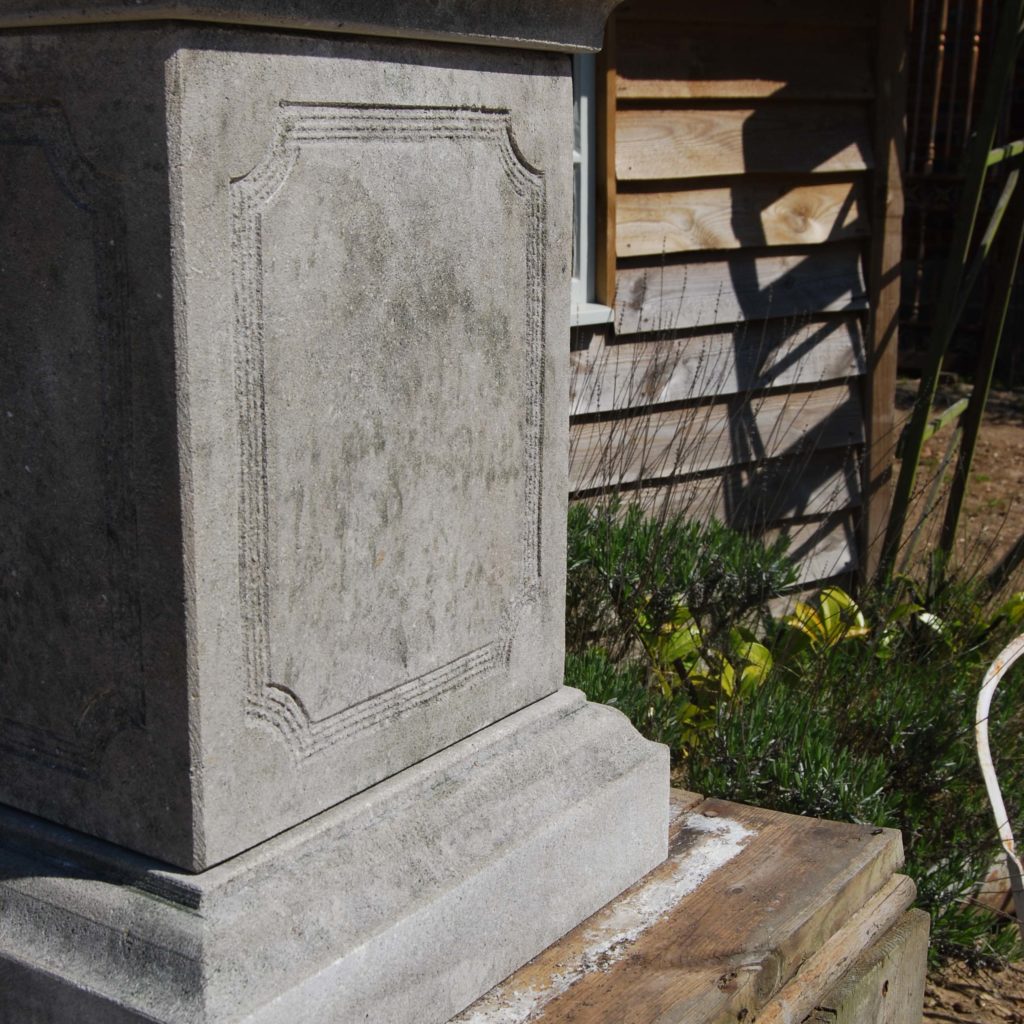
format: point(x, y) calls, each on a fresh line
point(746, 213)
point(680, 801)
point(790, 138)
point(757, 12)
point(821, 549)
point(884, 274)
point(886, 983)
point(672, 443)
point(825, 968)
point(670, 59)
point(818, 484)
point(768, 354)
point(701, 292)
point(738, 918)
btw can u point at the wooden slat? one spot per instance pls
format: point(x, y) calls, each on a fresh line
point(826, 967)
point(769, 354)
point(886, 983)
point(884, 274)
point(821, 549)
point(787, 138)
point(746, 213)
point(753, 12)
point(704, 292)
point(676, 442)
point(738, 932)
point(670, 59)
point(819, 484)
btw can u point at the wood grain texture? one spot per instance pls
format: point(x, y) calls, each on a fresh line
point(776, 138)
point(826, 967)
point(886, 983)
point(670, 59)
point(701, 292)
point(823, 548)
point(672, 443)
point(724, 949)
point(746, 213)
point(605, 376)
point(853, 13)
point(884, 260)
point(818, 484)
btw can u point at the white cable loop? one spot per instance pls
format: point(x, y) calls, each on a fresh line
point(995, 673)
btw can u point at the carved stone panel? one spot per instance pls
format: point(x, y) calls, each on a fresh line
point(389, 412)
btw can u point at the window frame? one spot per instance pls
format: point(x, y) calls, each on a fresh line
point(584, 309)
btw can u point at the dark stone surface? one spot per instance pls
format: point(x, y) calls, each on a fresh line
point(537, 24)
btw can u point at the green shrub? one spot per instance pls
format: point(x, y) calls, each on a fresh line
point(860, 713)
point(624, 687)
point(853, 736)
point(622, 563)
point(675, 601)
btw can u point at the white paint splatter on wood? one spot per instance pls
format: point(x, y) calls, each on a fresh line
point(606, 938)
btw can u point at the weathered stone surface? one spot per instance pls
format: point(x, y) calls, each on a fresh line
point(283, 473)
point(284, 445)
point(401, 905)
point(92, 656)
point(537, 24)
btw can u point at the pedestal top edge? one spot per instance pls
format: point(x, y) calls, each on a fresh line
point(569, 26)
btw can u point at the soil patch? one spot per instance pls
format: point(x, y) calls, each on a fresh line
point(987, 995)
point(993, 514)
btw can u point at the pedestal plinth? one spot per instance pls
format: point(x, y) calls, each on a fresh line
point(283, 457)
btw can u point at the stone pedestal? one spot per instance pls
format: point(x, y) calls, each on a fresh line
point(282, 471)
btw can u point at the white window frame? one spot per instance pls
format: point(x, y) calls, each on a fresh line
point(584, 79)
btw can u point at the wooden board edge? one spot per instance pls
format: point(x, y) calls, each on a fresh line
point(883, 275)
point(826, 967)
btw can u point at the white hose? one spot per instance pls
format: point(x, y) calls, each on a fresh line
point(995, 673)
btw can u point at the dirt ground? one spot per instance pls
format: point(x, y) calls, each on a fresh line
point(993, 516)
point(993, 519)
point(959, 995)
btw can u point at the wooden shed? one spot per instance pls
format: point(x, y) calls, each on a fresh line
point(735, 340)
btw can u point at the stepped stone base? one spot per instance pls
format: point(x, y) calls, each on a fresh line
point(402, 904)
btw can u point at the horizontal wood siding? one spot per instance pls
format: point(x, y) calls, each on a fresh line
point(776, 138)
point(730, 383)
point(747, 213)
point(822, 548)
point(670, 442)
point(670, 59)
point(705, 291)
point(609, 377)
point(759, 495)
point(766, 13)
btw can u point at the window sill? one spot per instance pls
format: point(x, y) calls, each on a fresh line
point(589, 314)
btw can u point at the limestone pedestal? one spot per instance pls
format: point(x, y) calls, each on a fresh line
point(401, 904)
point(283, 418)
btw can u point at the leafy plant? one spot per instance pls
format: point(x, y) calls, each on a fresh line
point(679, 596)
point(836, 618)
point(875, 724)
point(856, 710)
